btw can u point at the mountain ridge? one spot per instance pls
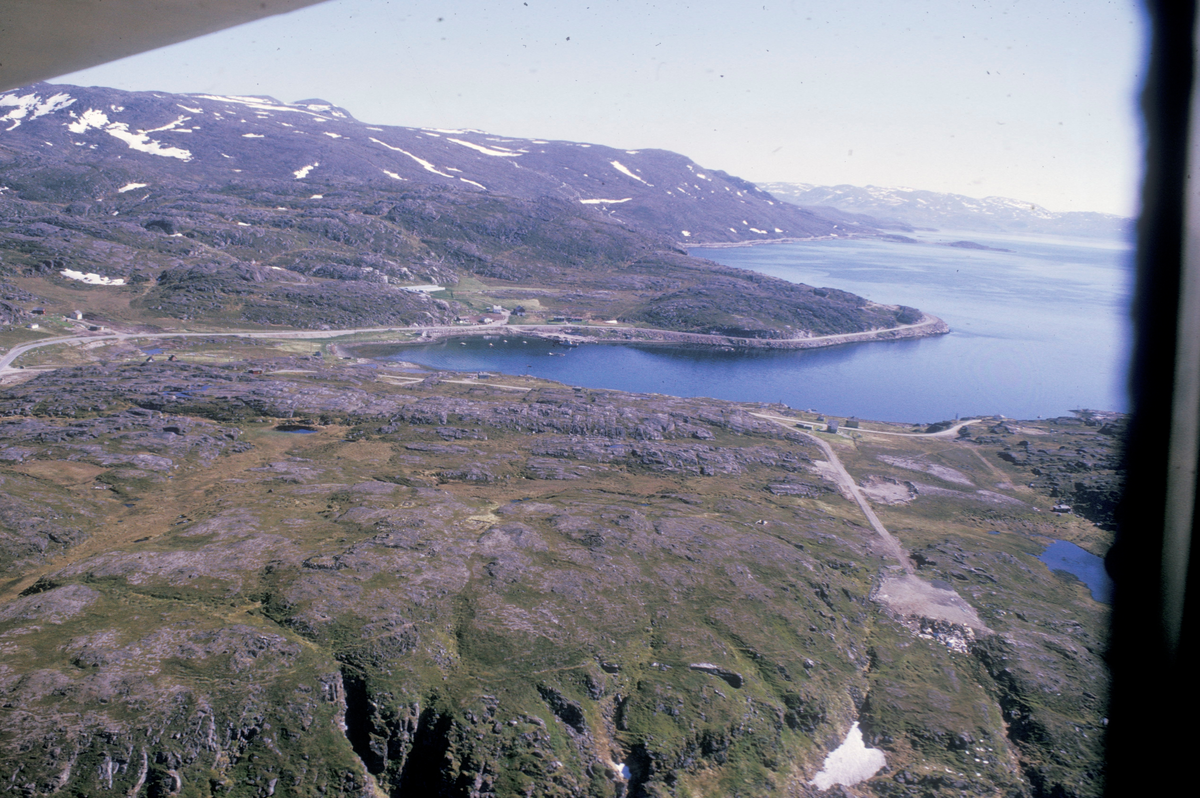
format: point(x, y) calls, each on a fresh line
point(906, 208)
point(219, 137)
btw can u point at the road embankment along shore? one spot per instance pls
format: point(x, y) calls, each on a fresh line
point(617, 334)
point(575, 333)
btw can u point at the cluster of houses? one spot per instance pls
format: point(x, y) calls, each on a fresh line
point(74, 315)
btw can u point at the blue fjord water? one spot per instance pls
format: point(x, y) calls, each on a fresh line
point(1036, 332)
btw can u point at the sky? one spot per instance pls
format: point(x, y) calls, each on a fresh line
point(1029, 100)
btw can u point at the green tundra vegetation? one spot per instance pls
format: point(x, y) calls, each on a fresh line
point(250, 571)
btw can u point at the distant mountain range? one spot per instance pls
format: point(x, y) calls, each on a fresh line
point(906, 208)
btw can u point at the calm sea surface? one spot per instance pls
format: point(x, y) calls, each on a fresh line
point(1036, 332)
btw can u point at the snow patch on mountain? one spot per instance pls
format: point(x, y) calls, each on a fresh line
point(130, 187)
point(169, 126)
point(621, 168)
point(603, 201)
point(487, 150)
point(91, 278)
point(31, 106)
point(303, 171)
point(426, 165)
point(263, 104)
point(140, 141)
point(90, 118)
point(143, 143)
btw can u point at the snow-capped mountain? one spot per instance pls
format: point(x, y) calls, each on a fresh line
point(906, 207)
point(147, 138)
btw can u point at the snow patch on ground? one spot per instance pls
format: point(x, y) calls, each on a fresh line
point(253, 136)
point(264, 104)
point(604, 201)
point(472, 182)
point(190, 110)
point(169, 125)
point(303, 171)
point(92, 117)
point(131, 187)
point(621, 168)
point(332, 135)
point(424, 163)
point(91, 278)
point(850, 763)
point(142, 143)
point(499, 153)
point(686, 234)
point(422, 289)
point(32, 106)
point(393, 175)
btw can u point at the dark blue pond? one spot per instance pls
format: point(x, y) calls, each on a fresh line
point(1087, 567)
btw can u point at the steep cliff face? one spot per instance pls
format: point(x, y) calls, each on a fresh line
point(344, 580)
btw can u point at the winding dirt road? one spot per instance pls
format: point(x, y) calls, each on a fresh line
point(907, 595)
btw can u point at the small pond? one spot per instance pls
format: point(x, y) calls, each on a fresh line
point(1087, 567)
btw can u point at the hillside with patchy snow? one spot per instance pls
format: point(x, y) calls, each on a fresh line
point(244, 210)
point(152, 139)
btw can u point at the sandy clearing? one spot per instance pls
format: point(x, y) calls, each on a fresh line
point(910, 596)
point(887, 491)
point(941, 472)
